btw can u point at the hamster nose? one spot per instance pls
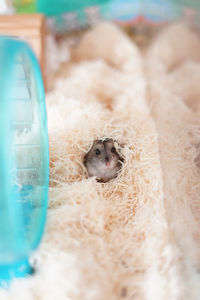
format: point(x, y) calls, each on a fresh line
point(107, 161)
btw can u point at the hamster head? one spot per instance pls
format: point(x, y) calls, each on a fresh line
point(103, 161)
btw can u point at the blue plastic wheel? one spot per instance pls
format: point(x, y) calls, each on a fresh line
point(24, 158)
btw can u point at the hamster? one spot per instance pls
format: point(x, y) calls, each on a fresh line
point(103, 161)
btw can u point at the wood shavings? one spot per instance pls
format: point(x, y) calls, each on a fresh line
point(137, 236)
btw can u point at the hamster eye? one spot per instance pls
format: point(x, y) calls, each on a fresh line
point(97, 152)
point(113, 149)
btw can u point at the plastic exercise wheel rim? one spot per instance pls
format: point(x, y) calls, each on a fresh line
point(24, 157)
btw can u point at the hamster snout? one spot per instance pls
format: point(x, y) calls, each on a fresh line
point(103, 161)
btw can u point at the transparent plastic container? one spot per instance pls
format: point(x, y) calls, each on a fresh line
point(24, 158)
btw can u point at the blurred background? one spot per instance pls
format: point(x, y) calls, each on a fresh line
point(63, 15)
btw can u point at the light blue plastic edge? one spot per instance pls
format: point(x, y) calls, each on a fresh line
point(9, 49)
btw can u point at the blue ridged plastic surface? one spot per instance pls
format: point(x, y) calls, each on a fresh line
point(24, 158)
